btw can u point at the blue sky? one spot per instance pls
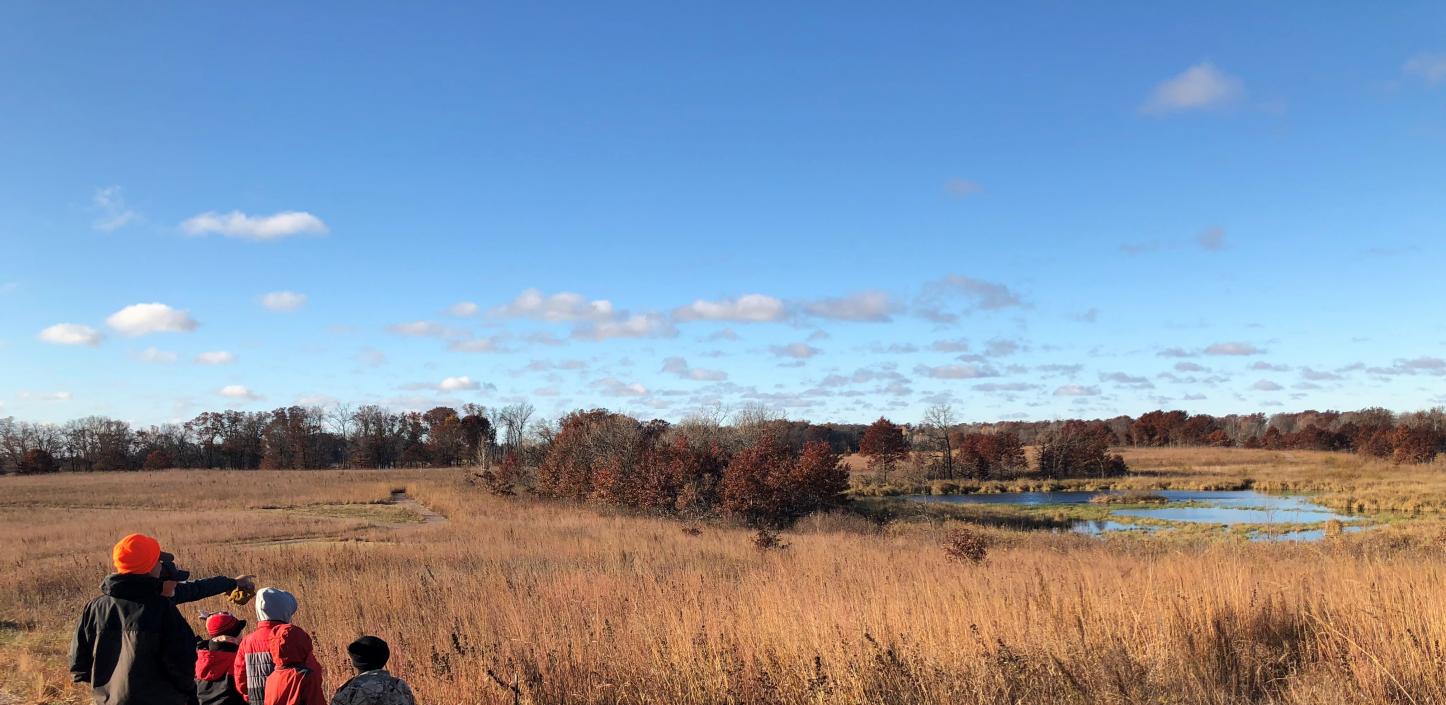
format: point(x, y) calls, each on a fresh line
point(1027, 211)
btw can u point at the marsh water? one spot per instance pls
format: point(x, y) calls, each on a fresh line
point(1225, 508)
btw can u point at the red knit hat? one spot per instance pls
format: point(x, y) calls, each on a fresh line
point(223, 623)
point(136, 554)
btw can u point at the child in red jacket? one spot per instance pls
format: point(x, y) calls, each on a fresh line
point(253, 660)
point(215, 658)
point(292, 683)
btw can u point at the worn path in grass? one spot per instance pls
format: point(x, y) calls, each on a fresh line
point(398, 513)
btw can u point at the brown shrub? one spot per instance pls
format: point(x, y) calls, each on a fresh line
point(966, 546)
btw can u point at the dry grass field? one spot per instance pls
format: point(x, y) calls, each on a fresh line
point(519, 601)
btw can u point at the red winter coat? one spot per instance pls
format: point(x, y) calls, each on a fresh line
point(254, 663)
point(214, 663)
point(292, 683)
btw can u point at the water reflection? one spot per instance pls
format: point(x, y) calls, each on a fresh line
point(1227, 508)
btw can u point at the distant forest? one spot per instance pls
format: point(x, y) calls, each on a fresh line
point(374, 437)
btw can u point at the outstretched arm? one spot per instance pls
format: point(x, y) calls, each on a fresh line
point(193, 590)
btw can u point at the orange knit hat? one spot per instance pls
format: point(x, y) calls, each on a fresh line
point(136, 553)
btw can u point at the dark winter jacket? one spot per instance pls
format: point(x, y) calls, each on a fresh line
point(214, 683)
point(133, 647)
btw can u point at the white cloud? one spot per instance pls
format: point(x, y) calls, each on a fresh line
point(1233, 349)
point(317, 399)
point(1005, 387)
point(143, 319)
point(678, 366)
point(798, 351)
point(215, 357)
point(1075, 390)
point(489, 344)
point(463, 309)
point(641, 325)
point(749, 308)
point(283, 300)
point(71, 334)
point(157, 356)
point(956, 371)
point(112, 209)
point(45, 396)
point(420, 329)
point(863, 306)
point(613, 387)
point(237, 391)
point(458, 384)
point(254, 227)
point(560, 307)
point(1200, 87)
point(1266, 385)
point(1429, 67)
point(1264, 366)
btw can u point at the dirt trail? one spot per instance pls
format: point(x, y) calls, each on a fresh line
point(399, 499)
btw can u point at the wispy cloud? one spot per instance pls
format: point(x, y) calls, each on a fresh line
point(564, 306)
point(1200, 87)
point(962, 188)
point(283, 301)
point(70, 334)
point(798, 351)
point(215, 357)
point(254, 227)
point(863, 306)
point(111, 209)
point(956, 371)
point(1430, 68)
point(938, 300)
point(679, 367)
point(463, 309)
point(1233, 349)
point(749, 308)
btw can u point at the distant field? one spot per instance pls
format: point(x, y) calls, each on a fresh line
point(571, 605)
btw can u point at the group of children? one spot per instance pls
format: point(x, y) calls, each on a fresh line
point(274, 664)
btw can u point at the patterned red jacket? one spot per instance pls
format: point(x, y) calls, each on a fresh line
point(254, 663)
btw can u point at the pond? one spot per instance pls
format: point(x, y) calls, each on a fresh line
point(1223, 508)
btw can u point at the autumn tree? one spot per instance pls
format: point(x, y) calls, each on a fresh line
point(36, 461)
point(1078, 449)
point(986, 456)
point(769, 486)
point(884, 445)
point(446, 440)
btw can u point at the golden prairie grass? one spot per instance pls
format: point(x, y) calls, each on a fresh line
point(571, 605)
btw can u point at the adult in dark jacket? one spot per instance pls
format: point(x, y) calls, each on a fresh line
point(132, 645)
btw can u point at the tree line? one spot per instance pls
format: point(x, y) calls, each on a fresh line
point(942, 447)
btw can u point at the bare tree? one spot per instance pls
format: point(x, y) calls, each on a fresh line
point(938, 421)
point(513, 420)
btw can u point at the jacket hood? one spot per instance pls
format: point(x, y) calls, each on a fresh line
point(130, 586)
point(290, 646)
point(214, 665)
point(274, 605)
